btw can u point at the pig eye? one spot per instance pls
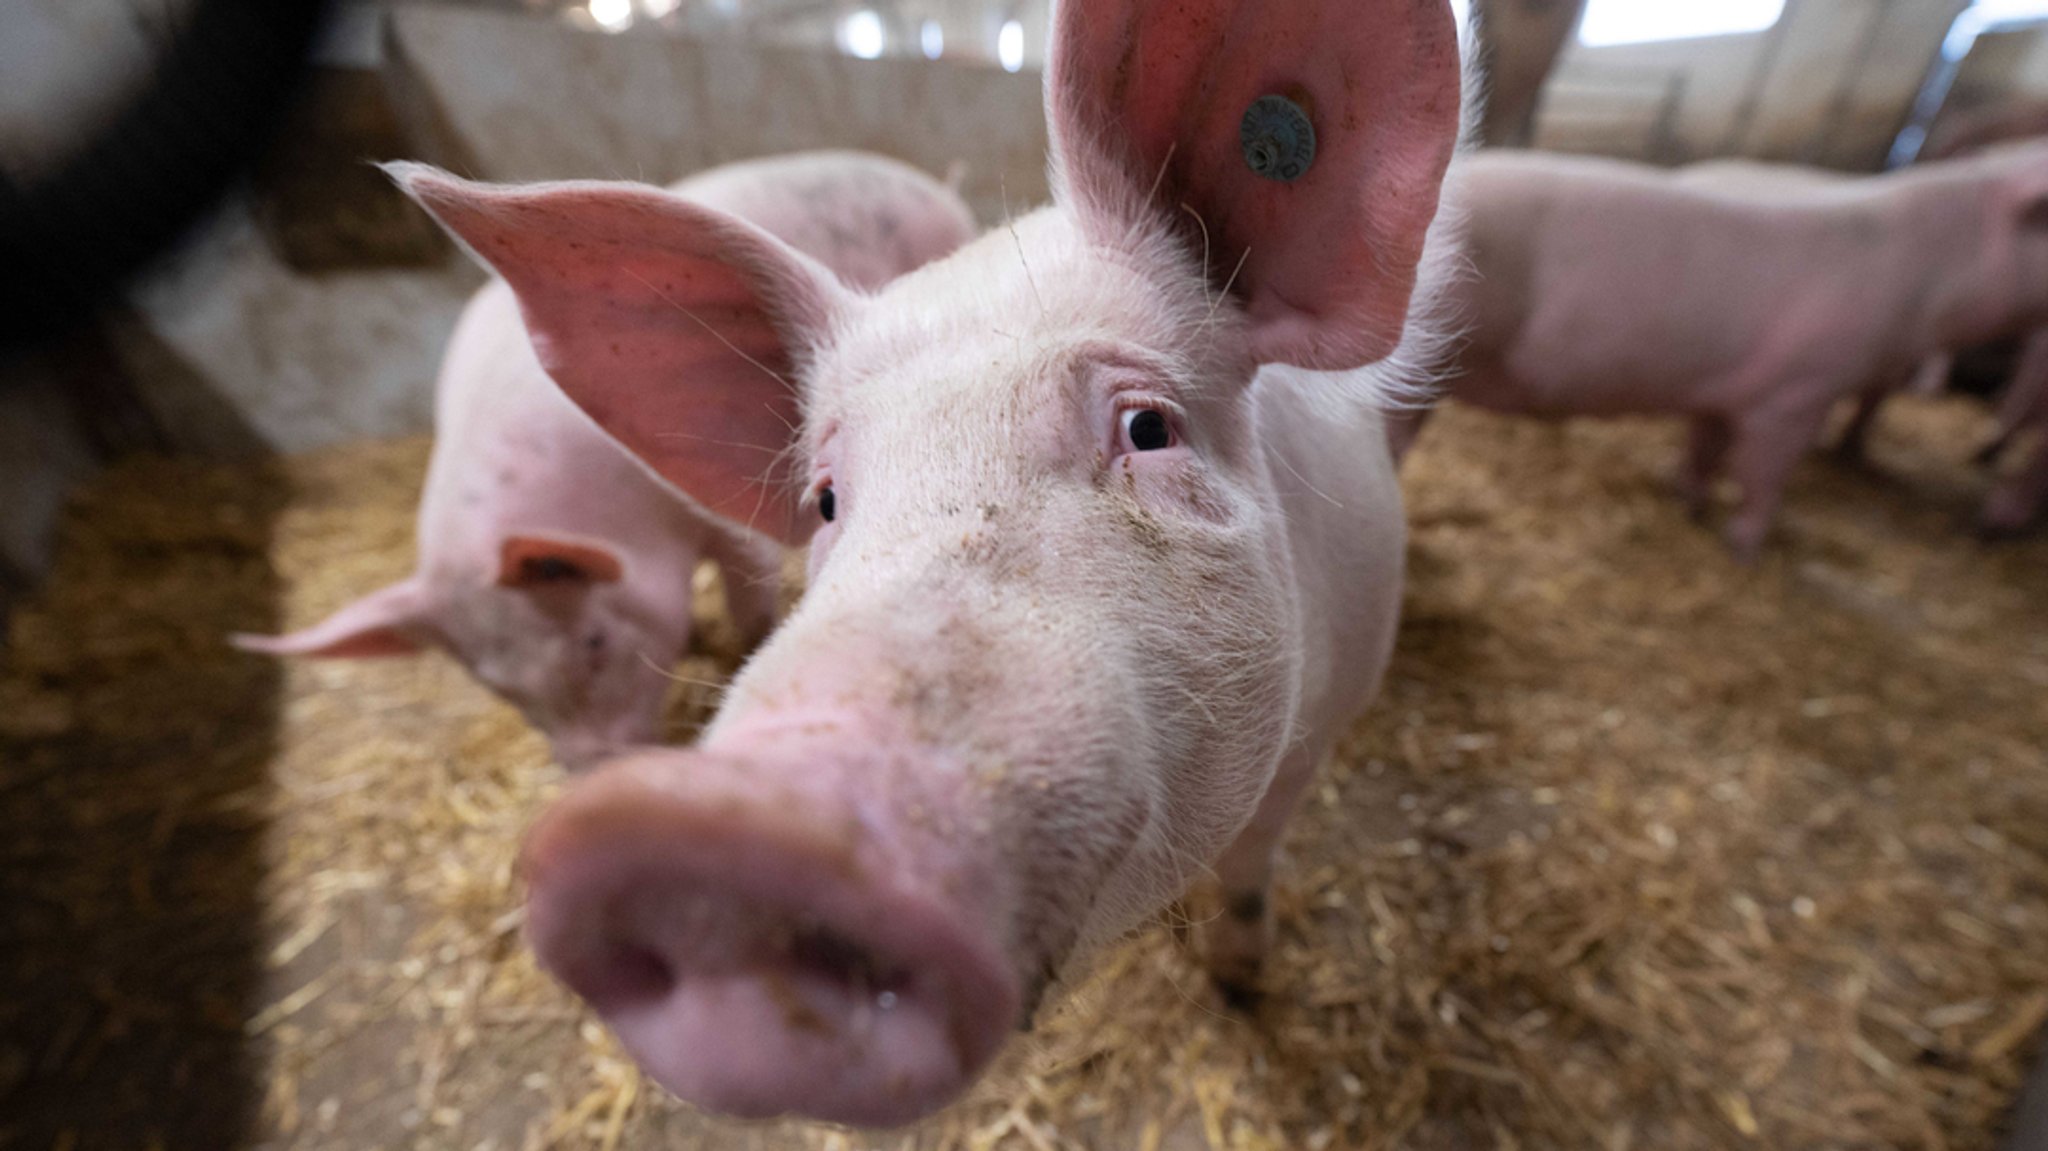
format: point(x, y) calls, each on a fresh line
point(1147, 429)
point(828, 504)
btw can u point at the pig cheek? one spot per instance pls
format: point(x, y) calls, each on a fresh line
point(820, 550)
point(1172, 483)
point(1072, 841)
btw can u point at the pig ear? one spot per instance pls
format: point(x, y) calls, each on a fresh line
point(678, 328)
point(1165, 108)
point(540, 561)
point(382, 623)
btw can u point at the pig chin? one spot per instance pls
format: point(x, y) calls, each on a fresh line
point(782, 925)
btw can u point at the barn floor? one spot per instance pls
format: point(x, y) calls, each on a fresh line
point(1638, 850)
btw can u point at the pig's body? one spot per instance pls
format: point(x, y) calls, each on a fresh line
point(554, 565)
point(584, 655)
point(1095, 580)
point(2011, 372)
point(1605, 288)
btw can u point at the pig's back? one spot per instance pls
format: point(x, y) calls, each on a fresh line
point(867, 217)
point(1604, 286)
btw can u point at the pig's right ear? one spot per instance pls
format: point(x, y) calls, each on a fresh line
point(1299, 145)
point(383, 623)
point(678, 328)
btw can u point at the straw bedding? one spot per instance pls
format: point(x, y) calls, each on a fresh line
point(1638, 849)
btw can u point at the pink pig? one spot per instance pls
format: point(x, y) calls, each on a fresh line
point(1606, 288)
point(554, 565)
point(1095, 579)
point(2016, 500)
point(2019, 498)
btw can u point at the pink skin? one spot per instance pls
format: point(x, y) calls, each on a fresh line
point(2019, 498)
point(555, 566)
point(1045, 674)
point(1606, 288)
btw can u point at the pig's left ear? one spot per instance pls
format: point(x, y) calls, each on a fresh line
point(1311, 138)
point(678, 328)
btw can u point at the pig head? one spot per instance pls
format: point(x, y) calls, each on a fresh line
point(1052, 651)
point(555, 566)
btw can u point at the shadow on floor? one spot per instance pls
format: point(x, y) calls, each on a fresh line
point(133, 754)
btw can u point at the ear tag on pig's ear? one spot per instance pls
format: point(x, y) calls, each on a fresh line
point(1278, 140)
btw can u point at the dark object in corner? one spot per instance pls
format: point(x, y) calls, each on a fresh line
point(69, 239)
point(2030, 1115)
point(321, 203)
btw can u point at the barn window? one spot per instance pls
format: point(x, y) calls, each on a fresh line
point(1611, 22)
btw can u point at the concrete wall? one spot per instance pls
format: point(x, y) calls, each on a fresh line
point(226, 349)
point(66, 64)
point(532, 102)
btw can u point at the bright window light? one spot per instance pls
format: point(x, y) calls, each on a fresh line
point(612, 15)
point(1985, 15)
point(861, 34)
point(1991, 11)
point(932, 39)
point(1010, 46)
point(1611, 22)
point(660, 8)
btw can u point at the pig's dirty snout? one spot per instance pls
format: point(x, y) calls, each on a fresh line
point(755, 954)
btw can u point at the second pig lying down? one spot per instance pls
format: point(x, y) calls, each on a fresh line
point(1604, 288)
point(552, 564)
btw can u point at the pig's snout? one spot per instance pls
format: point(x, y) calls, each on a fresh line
point(759, 956)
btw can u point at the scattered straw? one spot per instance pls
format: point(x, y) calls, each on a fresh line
point(1639, 849)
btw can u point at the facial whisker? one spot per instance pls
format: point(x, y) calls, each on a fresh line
point(1220, 296)
point(668, 674)
point(1325, 496)
point(1159, 177)
point(1011, 223)
point(1204, 226)
point(719, 443)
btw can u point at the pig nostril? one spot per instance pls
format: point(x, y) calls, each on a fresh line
point(832, 956)
point(635, 972)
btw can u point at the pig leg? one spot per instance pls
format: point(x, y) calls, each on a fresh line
point(2018, 500)
point(2025, 394)
point(1706, 450)
point(1854, 446)
point(1240, 937)
point(1927, 380)
point(1768, 443)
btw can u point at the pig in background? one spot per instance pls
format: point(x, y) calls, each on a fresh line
point(1608, 288)
point(1096, 577)
point(555, 566)
point(2011, 372)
